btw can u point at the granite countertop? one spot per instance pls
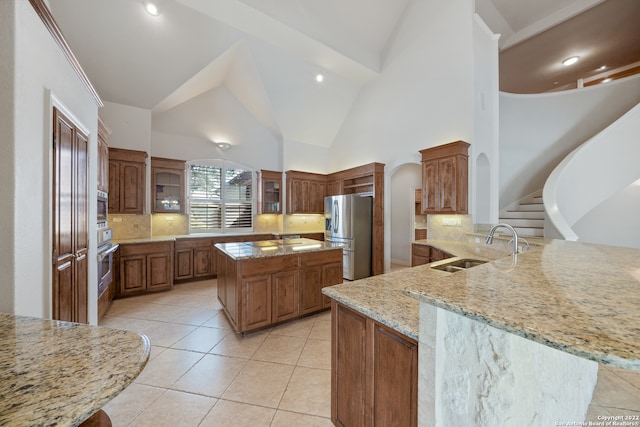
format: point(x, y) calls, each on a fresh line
point(576, 297)
point(60, 373)
point(580, 298)
point(381, 297)
point(271, 248)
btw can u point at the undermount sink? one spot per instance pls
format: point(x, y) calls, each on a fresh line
point(457, 265)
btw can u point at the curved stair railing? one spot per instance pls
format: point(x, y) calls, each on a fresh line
point(597, 169)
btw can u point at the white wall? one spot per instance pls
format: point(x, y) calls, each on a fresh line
point(484, 184)
point(404, 181)
point(538, 131)
point(423, 96)
point(227, 120)
point(39, 67)
point(614, 221)
point(130, 126)
point(305, 157)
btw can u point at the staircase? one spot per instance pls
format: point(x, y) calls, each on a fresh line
point(526, 215)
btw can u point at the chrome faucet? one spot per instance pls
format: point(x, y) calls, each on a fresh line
point(489, 239)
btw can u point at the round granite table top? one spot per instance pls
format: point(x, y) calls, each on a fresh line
point(60, 373)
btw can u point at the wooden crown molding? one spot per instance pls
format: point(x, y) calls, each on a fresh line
point(47, 19)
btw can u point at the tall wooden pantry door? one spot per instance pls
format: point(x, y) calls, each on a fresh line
point(70, 221)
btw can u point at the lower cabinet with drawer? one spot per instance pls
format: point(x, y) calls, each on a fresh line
point(425, 254)
point(145, 267)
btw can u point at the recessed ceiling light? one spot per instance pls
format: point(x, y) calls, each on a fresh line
point(607, 80)
point(319, 78)
point(603, 67)
point(152, 7)
point(571, 60)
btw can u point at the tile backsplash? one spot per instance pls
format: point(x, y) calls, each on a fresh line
point(144, 226)
point(284, 224)
point(130, 226)
point(437, 228)
point(169, 224)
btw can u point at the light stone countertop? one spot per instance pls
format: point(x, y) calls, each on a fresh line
point(272, 248)
point(60, 373)
point(580, 298)
point(381, 297)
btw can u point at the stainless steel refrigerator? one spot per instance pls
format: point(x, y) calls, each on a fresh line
point(348, 221)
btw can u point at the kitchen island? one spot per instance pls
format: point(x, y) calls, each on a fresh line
point(497, 332)
point(271, 281)
point(60, 373)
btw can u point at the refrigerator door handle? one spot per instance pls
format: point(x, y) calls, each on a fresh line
point(336, 216)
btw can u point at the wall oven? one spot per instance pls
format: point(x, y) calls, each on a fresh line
point(105, 259)
point(103, 206)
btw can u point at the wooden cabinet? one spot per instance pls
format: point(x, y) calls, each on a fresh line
point(318, 270)
point(285, 296)
point(445, 180)
point(420, 234)
point(259, 292)
point(425, 254)
point(103, 156)
point(145, 267)
point(305, 192)
point(194, 258)
point(168, 188)
point(70, 221)
point(127, 178)
point(269, 192)
point(374, 377)
point(334, 187)
point(418, 202)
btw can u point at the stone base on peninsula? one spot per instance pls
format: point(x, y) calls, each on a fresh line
point(472, 374)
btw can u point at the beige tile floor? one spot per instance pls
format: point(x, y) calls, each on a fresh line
point(201, 373)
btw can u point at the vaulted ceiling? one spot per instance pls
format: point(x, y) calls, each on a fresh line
point(267, 54)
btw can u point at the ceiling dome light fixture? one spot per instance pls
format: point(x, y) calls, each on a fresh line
point(319, 78)
point(223, 146)
point(570, 60)
point(152, 7)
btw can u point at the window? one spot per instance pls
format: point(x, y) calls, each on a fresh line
point(220, 196)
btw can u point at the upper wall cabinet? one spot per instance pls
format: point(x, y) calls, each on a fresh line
point(167, 176)
point(445, 179)
point(269, 192)
point(127, 184)
point(305, 192)
point(103, 156)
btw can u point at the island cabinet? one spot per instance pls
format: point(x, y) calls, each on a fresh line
point(305, 192)
point(127, 177)
point(425, 254)
point(145, 267)
point(374, 372)
point(318, 270)
point(260, 292)
point(445, 179)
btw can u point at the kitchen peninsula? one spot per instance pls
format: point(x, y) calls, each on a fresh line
point(60, 373)
point(271, 281)
point(491, 334)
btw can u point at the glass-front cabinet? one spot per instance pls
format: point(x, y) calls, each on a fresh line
point(167, 177)
point(269, 192)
